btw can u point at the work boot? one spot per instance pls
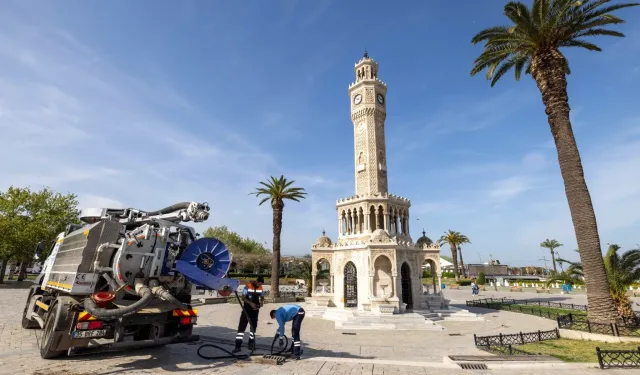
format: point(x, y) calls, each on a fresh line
point(252, 345)
point(235, 350)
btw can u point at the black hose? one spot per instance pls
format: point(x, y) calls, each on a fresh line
point(167, 296)
point(253, 348)
point(240, 356)
point(101, 313)
point(172, 208)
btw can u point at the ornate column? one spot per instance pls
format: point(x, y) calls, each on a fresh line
point(313, 283)
point(394, 282)
point(387, 222)
point(408, 229)
point(339, 226)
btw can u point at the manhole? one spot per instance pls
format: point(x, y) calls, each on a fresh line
point(473, 366)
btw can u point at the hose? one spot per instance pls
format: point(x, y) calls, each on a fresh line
point(241, 356)
point(167, 296)
point(172, 208)
point(101, 313)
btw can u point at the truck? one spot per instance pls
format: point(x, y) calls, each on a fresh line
point(123, 279)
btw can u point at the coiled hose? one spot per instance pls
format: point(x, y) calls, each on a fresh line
point(145, 293)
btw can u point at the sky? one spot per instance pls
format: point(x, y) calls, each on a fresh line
point(144, 104)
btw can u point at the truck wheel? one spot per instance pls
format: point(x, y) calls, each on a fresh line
point(50, 336)
point(26, 322)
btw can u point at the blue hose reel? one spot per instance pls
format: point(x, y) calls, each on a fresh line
point(205, 262)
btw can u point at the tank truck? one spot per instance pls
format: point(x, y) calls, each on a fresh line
point(123, 279)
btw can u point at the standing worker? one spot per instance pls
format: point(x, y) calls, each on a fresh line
point(253, 299)
point(286, 313)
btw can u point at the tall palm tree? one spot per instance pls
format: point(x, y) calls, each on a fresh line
point(622, 271)
point(551, 245)
point(532, 43)
point(454, 239)
point(277, 190)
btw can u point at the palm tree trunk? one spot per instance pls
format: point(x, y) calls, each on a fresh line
point(464, 272)
point(275, 264)
point(548, 69)
point(553, 260)
point(454, 259)
point(3, 269)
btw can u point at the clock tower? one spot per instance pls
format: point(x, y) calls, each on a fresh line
point(368, 112)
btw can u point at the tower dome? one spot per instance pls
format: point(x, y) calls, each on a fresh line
point(323, 241)
point(424, 240)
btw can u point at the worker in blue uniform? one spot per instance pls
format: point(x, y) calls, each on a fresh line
point(253, 298)
point(295, 314)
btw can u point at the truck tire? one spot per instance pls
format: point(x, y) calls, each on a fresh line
point(50, 337)
point(26, 322)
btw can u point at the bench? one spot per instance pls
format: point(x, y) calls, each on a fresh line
point(543, 290)
point(453, 286)
point(516, 289)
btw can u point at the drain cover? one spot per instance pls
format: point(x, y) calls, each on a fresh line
point(348, 333)
point(455, 334)
point(473, 366)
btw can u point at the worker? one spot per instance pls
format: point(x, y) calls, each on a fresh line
point(253, 299)
point(286, 313)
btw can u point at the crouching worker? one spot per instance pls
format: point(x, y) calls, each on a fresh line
point(295, 314)
point(253, 298)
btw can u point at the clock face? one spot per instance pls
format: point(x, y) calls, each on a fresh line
point(380, 99)
point(357, 99)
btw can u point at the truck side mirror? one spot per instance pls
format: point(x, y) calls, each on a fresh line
point(39, 249)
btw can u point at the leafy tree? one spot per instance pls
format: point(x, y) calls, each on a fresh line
point(622, 271)
point(454, 239)
point(236, 243)
point(481, 279)
point(532, 43)
point(277, 190)
point(28, 217)
point(551, 245)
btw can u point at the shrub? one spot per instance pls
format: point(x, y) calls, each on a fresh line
point(464, 282)
point(426, 274)
point(481, 279)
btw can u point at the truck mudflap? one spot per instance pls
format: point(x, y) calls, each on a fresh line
point(112, 347)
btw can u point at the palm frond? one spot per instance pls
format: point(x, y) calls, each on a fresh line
point(581, 44)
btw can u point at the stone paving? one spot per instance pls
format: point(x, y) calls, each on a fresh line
point(327, 351)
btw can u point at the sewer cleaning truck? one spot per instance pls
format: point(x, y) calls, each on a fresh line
point(123, 279)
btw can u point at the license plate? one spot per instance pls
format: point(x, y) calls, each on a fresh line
point(87, 334)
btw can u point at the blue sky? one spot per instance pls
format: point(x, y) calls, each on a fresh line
point(147, 103)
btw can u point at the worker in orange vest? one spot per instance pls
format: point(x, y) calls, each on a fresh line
point(253, 298)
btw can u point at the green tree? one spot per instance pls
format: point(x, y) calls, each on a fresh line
point(454, 239)
point(622, 271)
point(532, 43)
point(481, 279)
point(277, 190)
point(236, 243)
point(28, 217)
point(552, 245)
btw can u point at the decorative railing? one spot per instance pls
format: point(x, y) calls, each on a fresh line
point(508, 301)
point(504, 344)
point(581, 323)
point(618, 358)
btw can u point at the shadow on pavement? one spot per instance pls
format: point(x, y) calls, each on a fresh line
point(183, 357)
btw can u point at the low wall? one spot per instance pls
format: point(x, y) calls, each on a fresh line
point(581, 335)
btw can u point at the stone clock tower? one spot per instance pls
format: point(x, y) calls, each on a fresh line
point(368, 112)
point(374, 265)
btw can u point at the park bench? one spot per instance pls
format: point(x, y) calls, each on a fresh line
point(516, 289)
point(453, 286)
point(543, 290)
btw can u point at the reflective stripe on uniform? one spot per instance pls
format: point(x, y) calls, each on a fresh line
point(296, 343)
point(240, 335)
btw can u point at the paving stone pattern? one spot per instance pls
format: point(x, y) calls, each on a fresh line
point(19, 347)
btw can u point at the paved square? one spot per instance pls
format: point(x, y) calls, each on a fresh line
point(326, 350)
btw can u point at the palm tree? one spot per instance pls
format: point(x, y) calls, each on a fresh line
point(622, 271)
point(551, 245)
point(454, 239)
point(532, 43)
point(277, 190)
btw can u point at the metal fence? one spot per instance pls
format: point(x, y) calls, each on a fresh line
point(509, 301)
point(618, 358)
point(581, 323)
point(505, 343)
